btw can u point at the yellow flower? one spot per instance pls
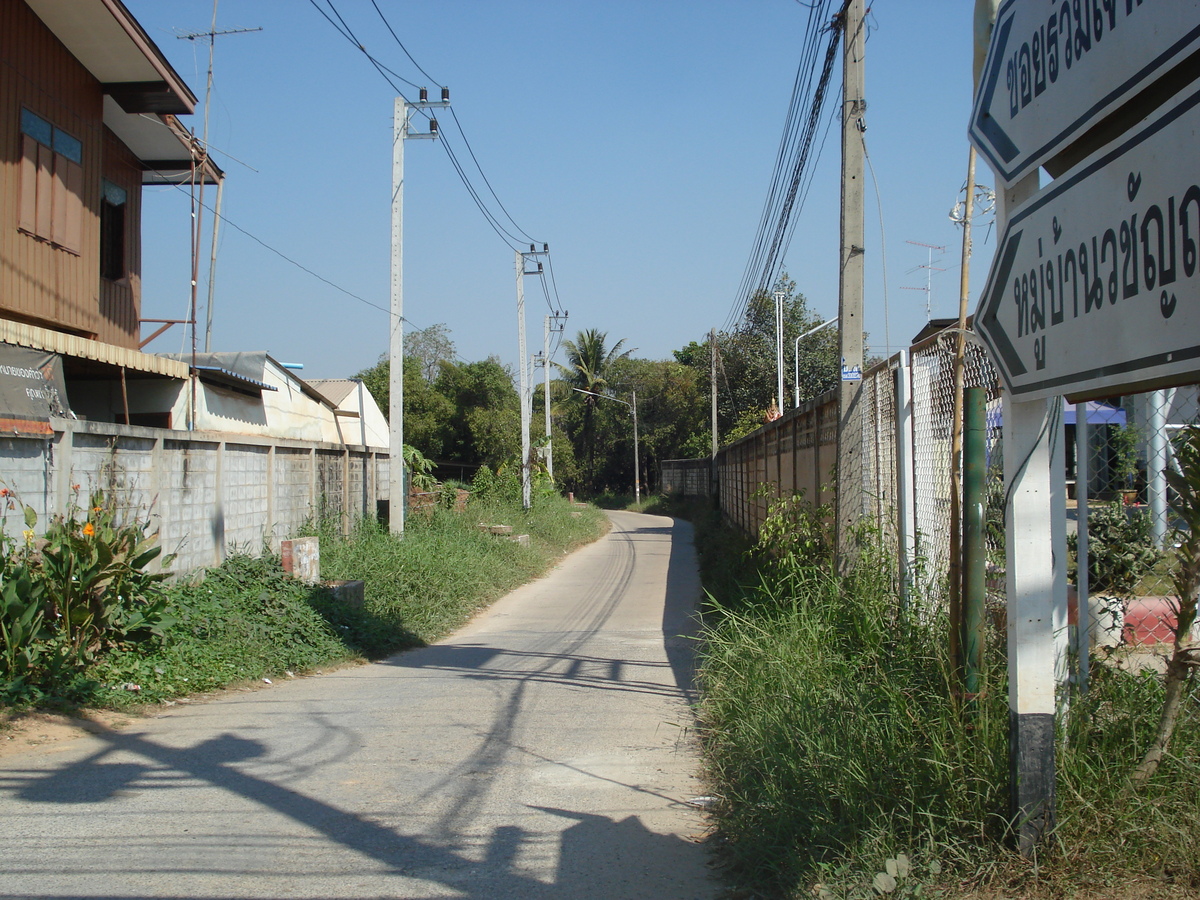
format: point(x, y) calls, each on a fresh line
point(89, 529)
point(28, 535)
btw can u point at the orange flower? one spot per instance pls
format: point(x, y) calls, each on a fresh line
point(97, 509)
point(4, 492)
point(89, 529)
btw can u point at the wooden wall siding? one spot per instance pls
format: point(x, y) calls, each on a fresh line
point(121, 301)
point(40, 283)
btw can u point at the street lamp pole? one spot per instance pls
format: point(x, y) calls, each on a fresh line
point(779, 295)
point(637, 475)
point(796, 354)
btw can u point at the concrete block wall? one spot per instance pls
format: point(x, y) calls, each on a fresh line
point(208, 494)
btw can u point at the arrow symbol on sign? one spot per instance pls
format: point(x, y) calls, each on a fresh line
point(986, 124)
point(989, 322)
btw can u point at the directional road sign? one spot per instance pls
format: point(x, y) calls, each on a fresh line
point(1054, 69)
point(1095, 284)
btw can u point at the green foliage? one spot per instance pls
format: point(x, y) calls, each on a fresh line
point(1124, 444)
point(419, 468)
point(589, 367)
point(828, 731)
point(1121, 548)
point(795, 533)
point(245, 619)
point(446, 568)
point(833, 747)
point(746, 375)
point(81, 591)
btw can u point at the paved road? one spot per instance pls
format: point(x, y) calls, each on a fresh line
point(543, 751)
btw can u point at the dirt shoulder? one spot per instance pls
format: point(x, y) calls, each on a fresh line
point(20, 732)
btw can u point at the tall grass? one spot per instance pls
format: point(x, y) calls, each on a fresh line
point(830, 736)
point(246, 620)
point(445, 568)
point(833, 744)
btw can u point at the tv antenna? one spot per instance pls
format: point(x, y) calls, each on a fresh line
point(929, 268)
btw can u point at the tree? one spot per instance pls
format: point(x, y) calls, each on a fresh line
point(746, 376)
point(430, 347)
point(589, 363)
point(484, 427)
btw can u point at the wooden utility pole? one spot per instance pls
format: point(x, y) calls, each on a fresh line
point(850, 289)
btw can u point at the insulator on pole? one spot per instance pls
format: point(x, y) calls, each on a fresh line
point(539, 268)
point(545, 248)
point(532, 248)
point(445, 95)
point(433, 126)
point(424, 95)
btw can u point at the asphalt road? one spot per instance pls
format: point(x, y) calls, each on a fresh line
point(543, 751)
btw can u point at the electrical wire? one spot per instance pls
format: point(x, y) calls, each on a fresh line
point(514, 241)
point(887, 335)
point(791, 171)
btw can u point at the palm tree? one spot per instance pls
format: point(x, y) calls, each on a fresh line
point(588, 366)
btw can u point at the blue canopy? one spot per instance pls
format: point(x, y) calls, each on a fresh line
point(1098, 413)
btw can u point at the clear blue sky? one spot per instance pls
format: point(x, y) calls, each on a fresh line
point(636, 137)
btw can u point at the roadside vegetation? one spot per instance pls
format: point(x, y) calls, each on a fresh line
point(842, 768)
point(85, 622)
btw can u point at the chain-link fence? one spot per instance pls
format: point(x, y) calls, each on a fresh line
point(1118, 453)
point(932, 422)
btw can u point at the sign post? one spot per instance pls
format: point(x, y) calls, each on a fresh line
point(1090, 288)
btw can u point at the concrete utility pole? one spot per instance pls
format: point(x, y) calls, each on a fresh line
point(551, 324)
point(402, 112)
point(712, 361)
point(526, 395)
point(850, 290)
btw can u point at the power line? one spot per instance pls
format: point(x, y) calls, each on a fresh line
point(791, 171)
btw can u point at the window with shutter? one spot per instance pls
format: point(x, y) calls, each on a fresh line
point(51, 203)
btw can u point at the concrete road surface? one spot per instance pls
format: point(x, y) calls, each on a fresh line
point(543, 751)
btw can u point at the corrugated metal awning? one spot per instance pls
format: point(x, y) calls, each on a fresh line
point(84, 348)
point(227, 378)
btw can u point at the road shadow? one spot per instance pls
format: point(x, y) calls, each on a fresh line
point(588, 848)
point(598, 856)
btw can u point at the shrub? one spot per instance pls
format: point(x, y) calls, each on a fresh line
point(1121, 548)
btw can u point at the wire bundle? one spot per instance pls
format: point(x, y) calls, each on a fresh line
point(792, 175)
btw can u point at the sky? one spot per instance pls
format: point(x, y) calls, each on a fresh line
point(635, 137)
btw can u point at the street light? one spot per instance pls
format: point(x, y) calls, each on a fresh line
point(637, 479)
point(796, 354)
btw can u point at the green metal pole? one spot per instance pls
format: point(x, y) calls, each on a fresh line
point(974, 551)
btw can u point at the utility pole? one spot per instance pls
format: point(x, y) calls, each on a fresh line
point(850, 289)
point(526, 395)
point(712, 360)
point(713, 478)
point(551, 324)
point(212, 34)
point(402, 113)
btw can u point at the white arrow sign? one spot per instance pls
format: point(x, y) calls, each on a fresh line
point(1055, 68)
point(1095, 285)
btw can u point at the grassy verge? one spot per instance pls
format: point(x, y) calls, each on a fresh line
point(246, 619)
point(833, 749)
